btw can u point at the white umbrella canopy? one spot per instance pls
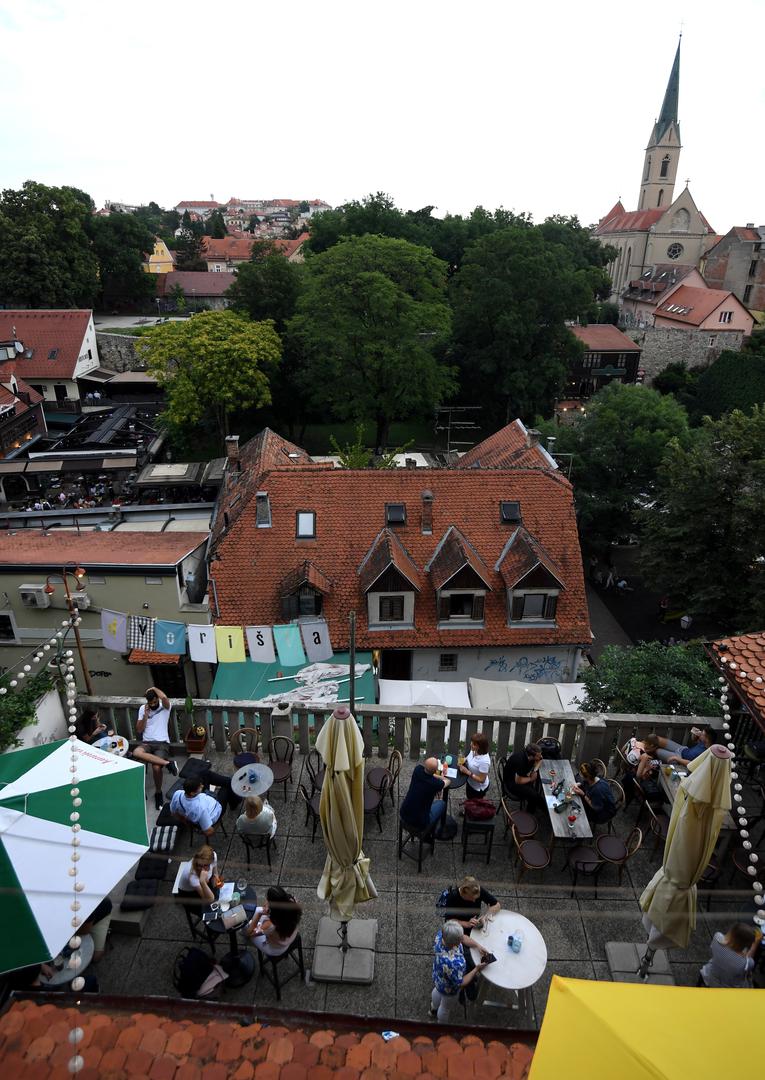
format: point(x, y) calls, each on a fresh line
point(345, 881)
point(36, 841)
point(701, 803)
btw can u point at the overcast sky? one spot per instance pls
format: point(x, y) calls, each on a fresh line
point(544, 107)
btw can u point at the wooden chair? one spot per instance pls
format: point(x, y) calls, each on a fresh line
point(411, 834)
point(618, 852)
point(511, 796)
point(294, 953)
point(193, 907)
point(531, 854)
point(257, 843)
point(281, 751)
point(526, 824)
point(374, 798)
point(657, 823)
point(311, 808)
point(585, 861)
point(601, 766)
point(244, 744)
point(374, 776)
point(315, 768)
point(619, 798)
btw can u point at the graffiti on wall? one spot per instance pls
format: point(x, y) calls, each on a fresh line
point(529, 669)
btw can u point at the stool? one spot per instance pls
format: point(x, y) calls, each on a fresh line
point(274, 961)
point(422, 836)
point(482, 829)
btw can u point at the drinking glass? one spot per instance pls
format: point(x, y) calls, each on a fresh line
point(241, 886)
point(571, 820)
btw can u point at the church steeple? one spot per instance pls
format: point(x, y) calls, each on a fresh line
point(662, 154)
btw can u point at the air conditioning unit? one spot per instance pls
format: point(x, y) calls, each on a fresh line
point(34, 596)
point(82, 600)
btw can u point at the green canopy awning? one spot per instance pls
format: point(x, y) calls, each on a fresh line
point(250, 682)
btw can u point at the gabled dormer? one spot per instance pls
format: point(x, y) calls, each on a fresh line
point(461, 580)
point(389, 580)
point(302, 591)
point(532, 578)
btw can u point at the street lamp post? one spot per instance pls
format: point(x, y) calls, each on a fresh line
point(78, 574)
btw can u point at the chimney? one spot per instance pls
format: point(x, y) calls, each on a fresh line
point(232, 453)
point(427, 512)
point(532, 437)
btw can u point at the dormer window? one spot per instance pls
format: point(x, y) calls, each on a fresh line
point(395, 514)
point(535, 606)
point(457, 607)
point(510, 513)
point(305, 524)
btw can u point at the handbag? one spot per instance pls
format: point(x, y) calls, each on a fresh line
point(479, 809)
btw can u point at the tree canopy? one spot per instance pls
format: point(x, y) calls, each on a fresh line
point(511, 297)
point(266, 287)
point(617, 448)
point(704, 537)
point(372, 322)
point(218, 362)
point(652, 678)
point(120, 242)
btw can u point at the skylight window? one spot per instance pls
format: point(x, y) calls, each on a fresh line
point(395, 514)
point(53, 354)
point(510, 512)
point(305, 524)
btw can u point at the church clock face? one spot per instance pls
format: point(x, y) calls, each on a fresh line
point(674, 251)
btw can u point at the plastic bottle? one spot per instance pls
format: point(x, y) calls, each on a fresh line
point(517, 940)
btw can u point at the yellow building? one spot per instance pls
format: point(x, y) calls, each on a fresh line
point(161, 260)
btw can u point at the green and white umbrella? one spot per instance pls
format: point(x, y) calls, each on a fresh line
point(36, 890)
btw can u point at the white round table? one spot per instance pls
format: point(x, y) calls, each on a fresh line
point(242, 785)
point(113, 744)
point(66, 974)
point(510, 971)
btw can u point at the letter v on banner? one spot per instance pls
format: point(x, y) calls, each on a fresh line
point(202, 644)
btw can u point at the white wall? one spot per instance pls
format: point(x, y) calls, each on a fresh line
point(527, 664)
point(51, 723)
point(88, 363)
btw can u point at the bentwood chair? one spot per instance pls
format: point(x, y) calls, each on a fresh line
point(618, 852)
point(314, 766)
point(311, 808)
point(375, 776)
point(525, 824)
point(620, 799)
point(374, 798)
point(531, 854)
point(281, 751)
point(244, 743)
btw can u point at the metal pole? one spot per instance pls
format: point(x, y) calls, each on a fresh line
point(77, 638)
point(352, 658)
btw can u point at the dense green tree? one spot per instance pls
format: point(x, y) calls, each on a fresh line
point(679, 380)
point(219, 362)
point(617, 448)
point(372, 322)
point(651, 678)
point(48, 259)
point(704, 535)
point(188, 250)
point(512, 297)
point(121, 243)
point(160, 222)
point(267, 287)
point(736, 380)
point(215, 226)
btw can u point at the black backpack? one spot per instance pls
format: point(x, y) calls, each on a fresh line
point(191, 968)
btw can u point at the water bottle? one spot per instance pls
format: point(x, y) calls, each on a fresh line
point(252, 776)
point(517, 939)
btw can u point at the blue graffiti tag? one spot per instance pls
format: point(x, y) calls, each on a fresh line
point(541, 669)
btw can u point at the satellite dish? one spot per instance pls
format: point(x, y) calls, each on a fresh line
point(18, 347)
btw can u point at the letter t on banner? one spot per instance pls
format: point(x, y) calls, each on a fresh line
point(202, 644)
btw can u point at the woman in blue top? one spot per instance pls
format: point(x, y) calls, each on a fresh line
point(449, 975)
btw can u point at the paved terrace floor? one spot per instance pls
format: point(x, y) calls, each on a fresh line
point(575, 929)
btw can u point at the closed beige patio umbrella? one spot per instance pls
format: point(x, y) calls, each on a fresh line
point(702, 801)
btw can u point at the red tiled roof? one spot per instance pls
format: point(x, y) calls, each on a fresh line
point(629, 221)
point(250, 562)
point(36, 548)
point(453, 553)
point(387, 550)
point(742, 661)
point(603, 337)
point(288, 248)
point(305, 574)
point(522, 555)
point(227, 248)
point(143, 656)
point(121, 1044)
point(197, 283)
point(505, 448)
point(199, 204)
point(745, 233)
point(43, 331)
point(8, 397)
point(700, 302)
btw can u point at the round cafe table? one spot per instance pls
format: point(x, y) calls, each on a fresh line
point(66, 974)
point(239, 965)
point(113, 744)
point(510, 972)
point(242, 786)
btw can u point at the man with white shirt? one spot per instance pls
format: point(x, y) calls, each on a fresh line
point(154, 728)
point(196, 807)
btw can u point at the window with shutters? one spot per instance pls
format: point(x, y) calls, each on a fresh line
point(461, 608)
point(305, 602)
point(392, 608)
point(537, 606)
point(389, 610)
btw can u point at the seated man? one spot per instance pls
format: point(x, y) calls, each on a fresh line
point(521, 775)
point(154, 728)
point(673, 753)
point(420, 807)
point(196, 807)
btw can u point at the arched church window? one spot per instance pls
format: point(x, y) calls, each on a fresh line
point(681, 220)
point(648, 167)
point(660, 199)
point(664, 166)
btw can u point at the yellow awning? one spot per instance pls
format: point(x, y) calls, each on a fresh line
point(633, 1032)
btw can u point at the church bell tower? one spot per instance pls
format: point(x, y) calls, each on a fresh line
point(662, 154)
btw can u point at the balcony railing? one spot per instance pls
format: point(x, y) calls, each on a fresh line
point(436, 730)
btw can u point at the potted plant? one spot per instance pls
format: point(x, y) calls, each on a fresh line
point(196, 735)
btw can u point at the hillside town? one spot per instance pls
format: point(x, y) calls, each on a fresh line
point(382, 632)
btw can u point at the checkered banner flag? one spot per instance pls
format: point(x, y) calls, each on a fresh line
point(141, 633)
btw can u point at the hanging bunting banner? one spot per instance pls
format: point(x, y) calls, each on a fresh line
point(289, 645)
point(202, 644)
point(229, 641)
point(114, 630)
point(141, 633)
point(260, 642)
point(170, 637)
point(316, 640)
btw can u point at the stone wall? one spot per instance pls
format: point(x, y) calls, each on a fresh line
point(117, 352)
point(662, 347)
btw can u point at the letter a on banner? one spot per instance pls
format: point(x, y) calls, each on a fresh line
point(260, 642)
point(202, 644)
point(230, 644)
point(316, 640)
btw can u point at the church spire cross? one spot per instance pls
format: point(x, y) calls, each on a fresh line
point(669, 106)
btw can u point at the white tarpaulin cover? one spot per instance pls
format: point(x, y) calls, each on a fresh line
point(571, 695)
point(513, 694)
point(453, 695)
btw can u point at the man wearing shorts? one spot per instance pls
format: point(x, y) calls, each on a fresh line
point(154, 728)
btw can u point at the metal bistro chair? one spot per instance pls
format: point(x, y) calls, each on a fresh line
point(619, 798)
point(584, 861)
point(657, 823)
point(294, 953)
point(314, 766)
point(193, 907)
point(374, 776)
point(526, 824)
point(244, 743)
point(374, 798)
point(281, 751)
point(532, 855)
point(618, 852)
point(601, 766)
point(257, 843)
point(311, 808)
point(511, 796)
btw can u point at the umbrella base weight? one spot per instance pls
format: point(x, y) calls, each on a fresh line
point(624, 960)
point(355, 963)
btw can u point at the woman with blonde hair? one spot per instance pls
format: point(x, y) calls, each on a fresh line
point(258, 818)
point(199, 875)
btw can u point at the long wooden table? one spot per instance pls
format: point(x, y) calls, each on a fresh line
point(555, 771)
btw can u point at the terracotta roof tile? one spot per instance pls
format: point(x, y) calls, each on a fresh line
point(628, 221)
point(143, 656)
point(602, 337)
point(44, 331)
point(453, 553)
point(742, 661)
point(506, 448)
point(387, 550)
point(696, 304)
point(305, 574)
point(195, 283)
point(522, 555)
point(97, 548)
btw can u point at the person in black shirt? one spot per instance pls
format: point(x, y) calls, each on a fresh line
point(521, 775)
point(463, 905)
point(420, 807)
